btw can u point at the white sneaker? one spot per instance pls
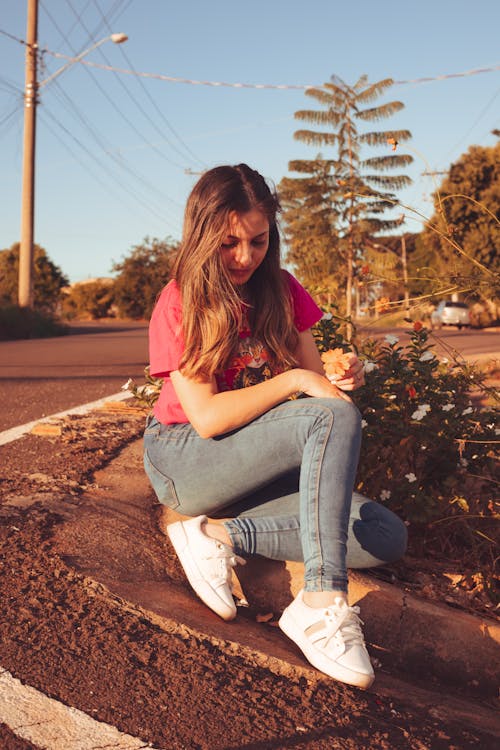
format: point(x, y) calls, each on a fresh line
point(207, 564)
point(331, 639)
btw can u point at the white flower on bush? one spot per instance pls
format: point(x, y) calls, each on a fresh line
point(369, 366)
point(126, 386)
point(467, 411)
point(364, 423)
point(391, 339)
point(445, 361)
point(420, 412)
point(448, 407)
point(426, 356)
point(423, 447)
point(385, 494)
point(411, 477)
point(327, 316)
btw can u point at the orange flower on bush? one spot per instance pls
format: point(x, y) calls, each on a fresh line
point(417, 326)
point(336, 363)
point(382, 304)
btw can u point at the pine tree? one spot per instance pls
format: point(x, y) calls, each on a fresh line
point(355, 192)
point(310, 222)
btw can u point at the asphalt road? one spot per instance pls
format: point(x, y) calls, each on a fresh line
point(40, 377)
point(45, 376)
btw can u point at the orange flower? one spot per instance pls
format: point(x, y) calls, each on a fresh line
point(393, 142)
point(336, 362)
point(417, 326)
point(365, 269)
point(382, 304)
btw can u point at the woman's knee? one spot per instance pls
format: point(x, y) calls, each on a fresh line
point(345, 411)
point(377, 530)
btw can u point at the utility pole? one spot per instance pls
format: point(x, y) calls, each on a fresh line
point(405, 274)
point(28, 186)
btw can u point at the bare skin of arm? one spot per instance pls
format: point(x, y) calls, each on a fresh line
point(212, 413)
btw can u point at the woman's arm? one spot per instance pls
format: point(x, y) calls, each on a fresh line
point(212, 413)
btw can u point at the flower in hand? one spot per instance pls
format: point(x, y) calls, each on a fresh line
point(343, 369)
point(336, 363)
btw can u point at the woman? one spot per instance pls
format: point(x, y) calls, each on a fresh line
point(231, 336)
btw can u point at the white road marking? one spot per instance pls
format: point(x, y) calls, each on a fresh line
point(51, 725)
point(16, 432)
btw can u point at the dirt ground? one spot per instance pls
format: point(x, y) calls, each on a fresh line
point(64, 633)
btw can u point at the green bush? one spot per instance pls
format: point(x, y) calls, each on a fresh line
point(430, 428)
point(24, 323)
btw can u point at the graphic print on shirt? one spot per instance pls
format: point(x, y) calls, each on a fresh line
point(251, 363)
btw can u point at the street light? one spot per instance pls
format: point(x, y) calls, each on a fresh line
point(25, 290)
point(116, 38)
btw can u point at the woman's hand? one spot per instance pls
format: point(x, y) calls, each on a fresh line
point(353, 378)
point(316, 385)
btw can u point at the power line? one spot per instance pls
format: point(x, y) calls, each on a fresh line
point(152, 101)
point(10, 87)
point(105, 146)
point(99, 139)
point(9, 118)
point(280, 86)
point(302, 87)
point(476, 121)
point(105, 94)
point(144, 203)
point(11, 36)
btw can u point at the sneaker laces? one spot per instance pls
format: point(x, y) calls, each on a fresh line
point(225, 559)
point(344, 621)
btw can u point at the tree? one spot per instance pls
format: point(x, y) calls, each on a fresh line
point(464, 232)
point(142, 275)
point(89, 299)
point(310, 229)
point(48, 279)
point(355, 190)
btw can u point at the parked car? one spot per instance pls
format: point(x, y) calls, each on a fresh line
point(449, 313)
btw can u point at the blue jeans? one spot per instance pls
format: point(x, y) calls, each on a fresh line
point(285, 480)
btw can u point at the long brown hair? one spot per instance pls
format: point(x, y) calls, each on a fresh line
point(211, 303)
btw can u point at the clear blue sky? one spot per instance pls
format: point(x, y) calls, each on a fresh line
point(113, 150)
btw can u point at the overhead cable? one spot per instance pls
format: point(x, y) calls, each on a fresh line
point(111, 101)
point(280, 86)
point(302, 87)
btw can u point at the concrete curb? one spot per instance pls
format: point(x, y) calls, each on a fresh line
point(416, 635)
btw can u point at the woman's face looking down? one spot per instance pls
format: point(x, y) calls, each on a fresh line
point(245, 245)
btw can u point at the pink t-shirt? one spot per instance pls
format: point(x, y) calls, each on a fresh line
point(249, 365)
